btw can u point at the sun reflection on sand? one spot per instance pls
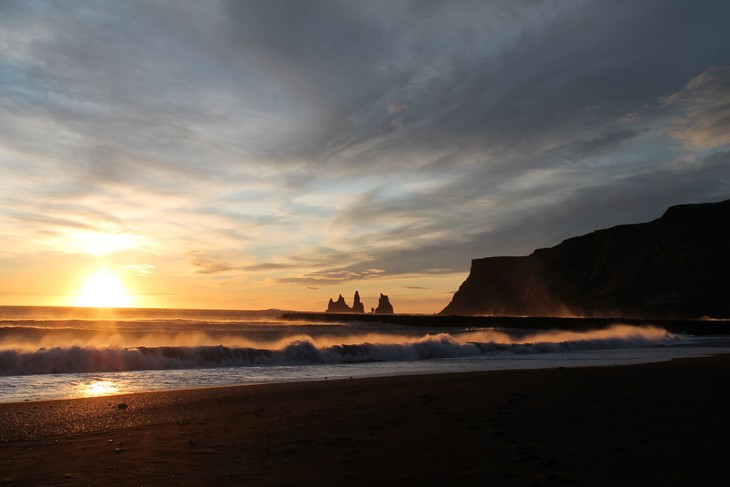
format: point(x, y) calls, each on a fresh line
point(99, 388)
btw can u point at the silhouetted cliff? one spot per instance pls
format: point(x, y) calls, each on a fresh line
point(677, 266)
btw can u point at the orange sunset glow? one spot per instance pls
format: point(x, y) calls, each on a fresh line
point(207, 155)
point(364, 242)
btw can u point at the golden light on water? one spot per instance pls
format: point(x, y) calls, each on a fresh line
point(103, 290)
point(99, 388)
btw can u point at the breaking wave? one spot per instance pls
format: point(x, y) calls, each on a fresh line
point(305, 351)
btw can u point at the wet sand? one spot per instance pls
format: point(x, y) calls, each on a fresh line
point(654, 424)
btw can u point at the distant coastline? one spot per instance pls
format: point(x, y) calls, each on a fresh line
point(692, 327)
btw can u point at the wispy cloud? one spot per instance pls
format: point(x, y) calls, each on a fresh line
point(705, 102)
point(283, 143)
point(334, 276)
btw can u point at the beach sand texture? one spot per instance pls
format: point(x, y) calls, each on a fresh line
point(653, 424)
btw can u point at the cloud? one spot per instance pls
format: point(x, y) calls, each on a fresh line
point(207, 263)
point(226, 262)
point(33, 294)
point(397, 123)
point(633, 198)
point(581, 150)
point(267, 266)
point(139, 269)
point(395, 107)
point(310, 142)
point(48, 221)
point(705, 103)
point(333, 276)
point(155, 294)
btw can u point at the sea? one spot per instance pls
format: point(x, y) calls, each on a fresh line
point(59, 353)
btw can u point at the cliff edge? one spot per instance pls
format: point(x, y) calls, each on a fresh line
point(675, 267)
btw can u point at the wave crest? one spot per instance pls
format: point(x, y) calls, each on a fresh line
point(305, 351)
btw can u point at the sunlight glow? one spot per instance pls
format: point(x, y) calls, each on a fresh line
point(103, 290)
point(99, 388)
point(98, 244)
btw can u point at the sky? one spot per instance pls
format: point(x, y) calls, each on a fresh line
point(275, 154)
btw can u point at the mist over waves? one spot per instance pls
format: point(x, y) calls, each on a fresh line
point(120, 351)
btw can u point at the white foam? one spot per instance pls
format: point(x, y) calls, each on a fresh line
point(306, 351)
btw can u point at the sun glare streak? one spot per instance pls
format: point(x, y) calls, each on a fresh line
point(103, 290)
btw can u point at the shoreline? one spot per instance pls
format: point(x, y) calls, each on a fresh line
point(659, 423)
point(24, 388)
point(86, 381)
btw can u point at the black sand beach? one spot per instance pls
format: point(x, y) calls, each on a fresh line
point(653, 424)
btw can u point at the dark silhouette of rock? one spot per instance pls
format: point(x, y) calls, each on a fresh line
point(384, 306)
point(675, 267)
point(339, 306)
point(357, 306)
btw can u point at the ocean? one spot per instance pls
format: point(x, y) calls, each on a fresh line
point(57, 353)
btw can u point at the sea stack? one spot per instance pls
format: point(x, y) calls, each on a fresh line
point(384, 306)
point(339, 306)
point(357, 306)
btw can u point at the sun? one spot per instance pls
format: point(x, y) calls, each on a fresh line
point(103, 290)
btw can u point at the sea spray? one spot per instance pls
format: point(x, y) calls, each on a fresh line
point(125, 351)
point(308, 350)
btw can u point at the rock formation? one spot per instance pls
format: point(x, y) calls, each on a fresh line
point(677, 266)
point(384, 306)
point(340, 306)
point(357, 306)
